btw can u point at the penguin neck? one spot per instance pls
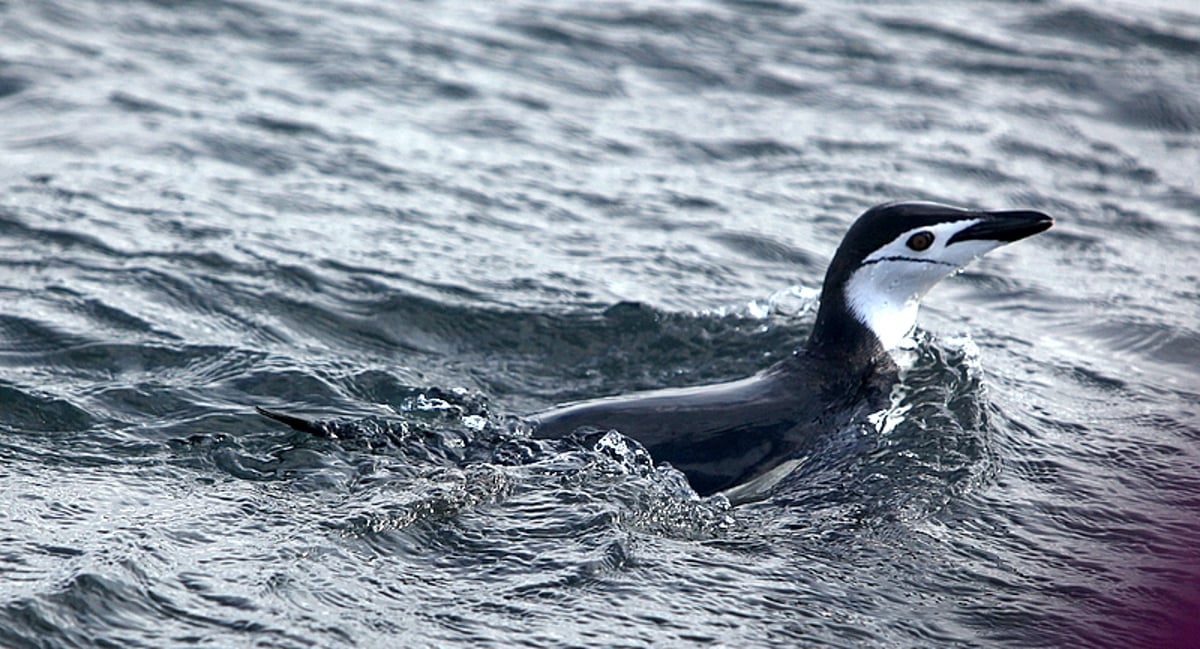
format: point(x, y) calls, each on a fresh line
point(842, 333)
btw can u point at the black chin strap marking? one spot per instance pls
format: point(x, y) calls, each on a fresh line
point(899, 258)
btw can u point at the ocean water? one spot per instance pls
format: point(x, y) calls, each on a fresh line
point(425, 219)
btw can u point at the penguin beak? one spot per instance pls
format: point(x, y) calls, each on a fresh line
point(1006, 227)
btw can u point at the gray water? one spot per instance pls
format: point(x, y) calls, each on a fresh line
point(425, 219)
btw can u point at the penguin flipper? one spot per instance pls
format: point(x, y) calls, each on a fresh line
point(298, 423)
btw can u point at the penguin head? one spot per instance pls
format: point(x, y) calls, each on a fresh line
point(894, 253)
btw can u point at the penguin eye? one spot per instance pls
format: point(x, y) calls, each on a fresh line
point(920, 241)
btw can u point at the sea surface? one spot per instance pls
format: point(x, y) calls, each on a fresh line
point(425, 219)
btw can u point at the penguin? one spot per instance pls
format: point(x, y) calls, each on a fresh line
point(725, 436)
point(742, 436)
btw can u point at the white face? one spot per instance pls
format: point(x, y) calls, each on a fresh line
point(887, 288)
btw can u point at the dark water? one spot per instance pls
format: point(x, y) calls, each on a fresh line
point(436, 216)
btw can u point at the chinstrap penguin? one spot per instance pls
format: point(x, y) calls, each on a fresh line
point(728, 435)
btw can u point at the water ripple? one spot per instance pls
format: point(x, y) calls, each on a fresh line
point(424, 220)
